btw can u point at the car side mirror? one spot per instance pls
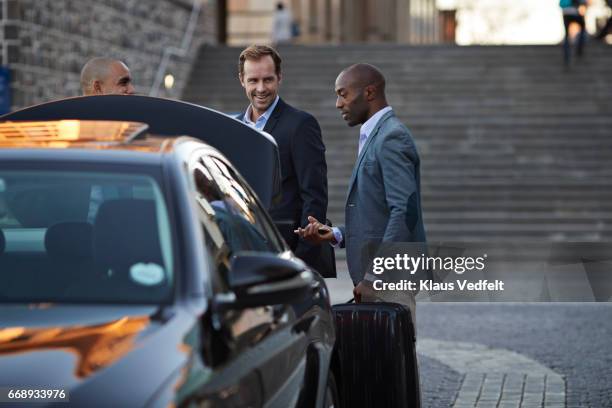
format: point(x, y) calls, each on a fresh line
point(259, 279)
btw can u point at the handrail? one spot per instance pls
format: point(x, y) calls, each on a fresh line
point(174, 51)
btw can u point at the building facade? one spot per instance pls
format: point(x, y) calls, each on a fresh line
point(44, 43)
point(338, 21)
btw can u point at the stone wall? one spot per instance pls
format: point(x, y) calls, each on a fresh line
point(46, 42)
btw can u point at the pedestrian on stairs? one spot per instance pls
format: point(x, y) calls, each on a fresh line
point(281, 29)
point(573, 12)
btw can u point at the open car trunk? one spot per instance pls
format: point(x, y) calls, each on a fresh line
point(253, 153)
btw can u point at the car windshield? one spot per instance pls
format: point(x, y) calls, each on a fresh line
point(86, 237)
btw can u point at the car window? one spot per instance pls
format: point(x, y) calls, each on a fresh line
point(215, 239)
point(71, 236)
point(241, 219)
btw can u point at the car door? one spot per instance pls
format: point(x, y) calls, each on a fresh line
point(265, 344)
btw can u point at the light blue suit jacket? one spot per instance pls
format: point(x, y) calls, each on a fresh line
point(384, 195)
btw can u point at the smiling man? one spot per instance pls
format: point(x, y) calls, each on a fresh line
point(302, 153)
point(106, 76)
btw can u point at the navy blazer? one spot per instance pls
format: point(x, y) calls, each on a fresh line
point(384, 195)
point(304, 177)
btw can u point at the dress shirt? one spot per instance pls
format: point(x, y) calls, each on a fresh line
point(261, 121)
point(366, 129)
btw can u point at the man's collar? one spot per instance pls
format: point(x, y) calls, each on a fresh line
point(265, 116)
point(370, 124)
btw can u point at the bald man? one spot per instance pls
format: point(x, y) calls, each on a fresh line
point(105, 76)
point(384, 199)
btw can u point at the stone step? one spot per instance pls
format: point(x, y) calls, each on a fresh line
point(444, 100)
point(553, 137)
point(517, 229)
point(493, 79)
point(519, 217)
point(401, 52)
point(511, 192)
point(432, 68)
point(593, 220)
point(534, 206)
point(434, 173)
point(523, 123)
point(424, 109)
point(329, 117)
point(396, 62)
point(489, 206)
point(413, 58)
point(532, 210)
point(428, 147)
point(497, 158)
point(563, 178)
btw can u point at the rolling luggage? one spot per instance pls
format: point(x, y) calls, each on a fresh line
point(377, 361)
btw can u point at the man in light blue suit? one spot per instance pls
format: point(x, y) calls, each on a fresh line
point(383, 205)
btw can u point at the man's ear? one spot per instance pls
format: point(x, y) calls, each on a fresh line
point(280, 77)
point(96, 87)
point(370, 92)
point(241, 79)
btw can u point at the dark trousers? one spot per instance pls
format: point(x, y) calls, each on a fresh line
point(605, 30)
point(567, 20)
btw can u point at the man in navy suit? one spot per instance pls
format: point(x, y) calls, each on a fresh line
point(302, 153)
point(383, 204)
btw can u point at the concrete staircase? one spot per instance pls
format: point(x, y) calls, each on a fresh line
point(513, 147)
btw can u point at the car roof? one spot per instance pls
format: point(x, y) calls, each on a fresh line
point(253, 153)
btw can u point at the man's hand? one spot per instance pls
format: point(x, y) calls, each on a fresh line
point(364, 292)
point(315, 232)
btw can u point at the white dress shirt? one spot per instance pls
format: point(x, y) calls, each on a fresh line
point(366, 129)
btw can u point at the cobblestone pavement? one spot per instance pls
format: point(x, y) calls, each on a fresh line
point(567, 341)
point(493, 377)
point(515, 355)
point(439, 383)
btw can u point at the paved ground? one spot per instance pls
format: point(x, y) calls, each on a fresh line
point(544, 343)
point(511, 354)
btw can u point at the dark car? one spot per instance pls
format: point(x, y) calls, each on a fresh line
point(139, 270)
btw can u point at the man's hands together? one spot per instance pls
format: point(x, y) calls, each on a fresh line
point(315, 232)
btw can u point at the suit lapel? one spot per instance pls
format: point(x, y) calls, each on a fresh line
point(365, 148)
point(241, 116)
point(276, 114)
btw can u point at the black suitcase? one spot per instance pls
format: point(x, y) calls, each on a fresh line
point(377, 364)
